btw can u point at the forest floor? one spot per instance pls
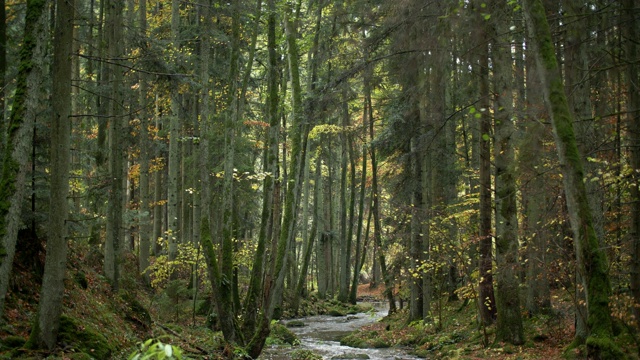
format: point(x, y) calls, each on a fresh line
point(101, 324)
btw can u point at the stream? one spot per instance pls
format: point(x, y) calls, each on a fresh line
point(322, 334)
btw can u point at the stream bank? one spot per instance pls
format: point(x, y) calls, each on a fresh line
point(321, 334)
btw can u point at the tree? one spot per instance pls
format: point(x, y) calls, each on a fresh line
point(634, 128)
point(19, 128)
point(486, 299)
point(45, 330)
point(590, 259)
point(115, 205)
point(509, 319)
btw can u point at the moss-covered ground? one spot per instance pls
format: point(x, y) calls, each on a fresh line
point(455, 333)
point(99, 323)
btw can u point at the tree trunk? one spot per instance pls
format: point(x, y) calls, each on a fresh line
point(377, 227)
point(366, 116)
point(18, 135)
point(416, 252)
point(509, 324)
point(633, 115)
point(3, 73)
point(345, 227)
point(487, 301)
point(144, 231)
point(590, 259)
point(173, 163)
point(45, 330)
point(114, 241)
point(535, 197)
point(253, 300)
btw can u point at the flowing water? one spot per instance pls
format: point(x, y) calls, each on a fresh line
point(322, 334)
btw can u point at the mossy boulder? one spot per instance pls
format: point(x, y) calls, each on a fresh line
point(74, 335)
point(280, 335)
point(336, 311)
point(354, 340)
point(303, 354)
point(348, 356)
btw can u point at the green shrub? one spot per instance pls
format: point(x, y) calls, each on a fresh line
point(153, 349)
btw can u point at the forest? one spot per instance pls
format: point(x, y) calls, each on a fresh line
point(221, 165)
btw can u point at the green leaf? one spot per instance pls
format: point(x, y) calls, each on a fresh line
point(168, 350)
point(485, 137)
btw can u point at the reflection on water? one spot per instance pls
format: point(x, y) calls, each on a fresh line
point(322, 334)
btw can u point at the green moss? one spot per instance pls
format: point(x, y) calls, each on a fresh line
point(380, 343)
point(83, 340)
point(603, 348)
point(354, 341)
point(81, 279)
point(337, 312)
point(348, 356)
point(135, 311)
point(12, 342)
point(295, 323)
point(280, 335)
point(303, 354)
point(80, 356)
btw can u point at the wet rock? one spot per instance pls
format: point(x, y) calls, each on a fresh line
point(347, 356)
point(295, 323)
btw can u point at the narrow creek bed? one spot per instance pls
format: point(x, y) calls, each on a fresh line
point(321, 334)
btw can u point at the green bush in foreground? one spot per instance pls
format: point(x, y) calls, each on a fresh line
point(153, 349)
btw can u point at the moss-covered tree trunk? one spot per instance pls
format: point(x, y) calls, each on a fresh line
point(18, 135)
point(298, 139)
point(254, 298)
point(590, 259)
point(44, 333)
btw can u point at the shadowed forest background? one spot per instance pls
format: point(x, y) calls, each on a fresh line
point(230, 163)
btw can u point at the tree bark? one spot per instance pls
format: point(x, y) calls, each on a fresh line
point(173, 163)
point(590, 259)
point(633, 116)
point(45, 330)
point(144, 230)
point(487, 300)
point(114, 241)
point(19, 130)
point(509, 318)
